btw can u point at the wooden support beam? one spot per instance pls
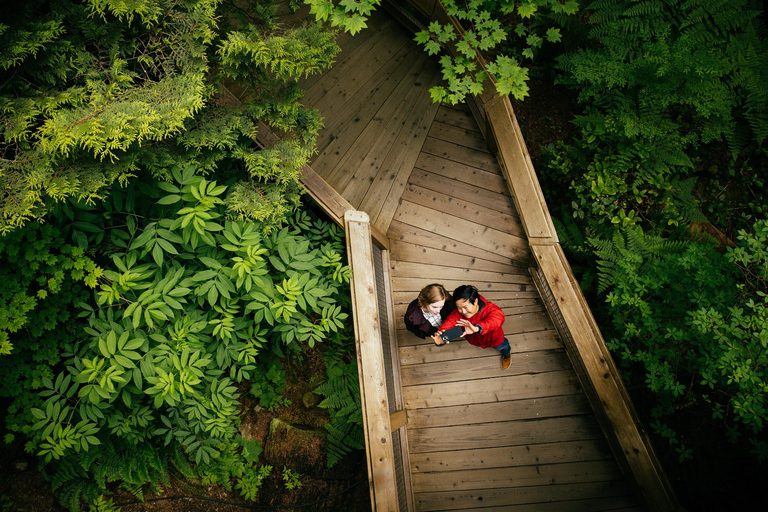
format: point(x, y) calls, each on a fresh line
point(370, 363)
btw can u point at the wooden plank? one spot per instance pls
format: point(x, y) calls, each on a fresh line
point(404, 165)
point(417, 351)
point(460, 154)
point(481, 368)
point(470, 193)
point(429, 270)
point(402, 251)
point(488, 178)
point(345, 125)
point(518, 169)
point(397, 419)
point(462, 500)
point(329, 83)
point(454, 206)
point(376, 63)
point(585, 505)
point(321, 192)
point(379, 134)
point(460, 229)
point(402, 135)
point(504, 456)
point(497, 389)
point(396, 166)
point(526, 409)
point(373, 388)
point(347, 43)
point(415, 284)
point(459, 136)
point(457, 118)
point(603, 377)
point(518, 476)
point(416, 235)
point(398, 393)
point(511, 433)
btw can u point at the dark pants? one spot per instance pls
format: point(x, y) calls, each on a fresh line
point(504, 347)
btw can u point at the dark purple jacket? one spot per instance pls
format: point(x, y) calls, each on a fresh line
point(420, 326)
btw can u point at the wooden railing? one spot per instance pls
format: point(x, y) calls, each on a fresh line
point(567, 306)
point(370, 364)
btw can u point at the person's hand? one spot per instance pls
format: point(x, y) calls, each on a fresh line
point(469, 327)
point(438, 339)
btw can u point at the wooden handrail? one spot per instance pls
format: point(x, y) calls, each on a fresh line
point(370, 364)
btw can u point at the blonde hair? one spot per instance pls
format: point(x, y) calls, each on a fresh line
point(432, 293)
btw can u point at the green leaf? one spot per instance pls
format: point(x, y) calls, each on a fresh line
point(157, 254)
point(172, 199)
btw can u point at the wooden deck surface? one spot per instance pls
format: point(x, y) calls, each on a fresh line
point(479, 437)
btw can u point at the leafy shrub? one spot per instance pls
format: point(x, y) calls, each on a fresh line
point(484, 32)
point(269, 387)
point(183, 314)
point(676, 73)
point(103, 505)
point(43, 279)
point(250, 483)
point(693, 322)
point(103, 91)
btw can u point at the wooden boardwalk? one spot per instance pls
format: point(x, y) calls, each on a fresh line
point(479, 438)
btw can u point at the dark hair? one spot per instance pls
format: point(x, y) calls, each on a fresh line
point(466, 292)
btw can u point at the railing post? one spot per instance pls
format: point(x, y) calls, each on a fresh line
point(370, 363)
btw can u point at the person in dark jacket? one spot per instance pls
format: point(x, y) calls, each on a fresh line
point(425, 314)
point(482, 320)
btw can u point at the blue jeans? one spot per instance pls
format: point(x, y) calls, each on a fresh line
point(504, 347)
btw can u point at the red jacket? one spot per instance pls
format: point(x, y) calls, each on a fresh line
point(490, 317)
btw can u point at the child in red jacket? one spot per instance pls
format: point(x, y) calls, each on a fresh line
point(481, 320)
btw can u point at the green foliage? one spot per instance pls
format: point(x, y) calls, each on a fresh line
point(623, 181)
point(484, 33)
point(103, 505)
point(671, 138)
point(250, 483)
point(291, 479)
point(107, 90)
point(184, 312)
point(44, 278)
point(694, 322)
point(342, 399)
point(350, 15)
point(676, 73)
point(83, 477)
point(269, 387)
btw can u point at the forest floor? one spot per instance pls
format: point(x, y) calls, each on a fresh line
point(343, 487)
